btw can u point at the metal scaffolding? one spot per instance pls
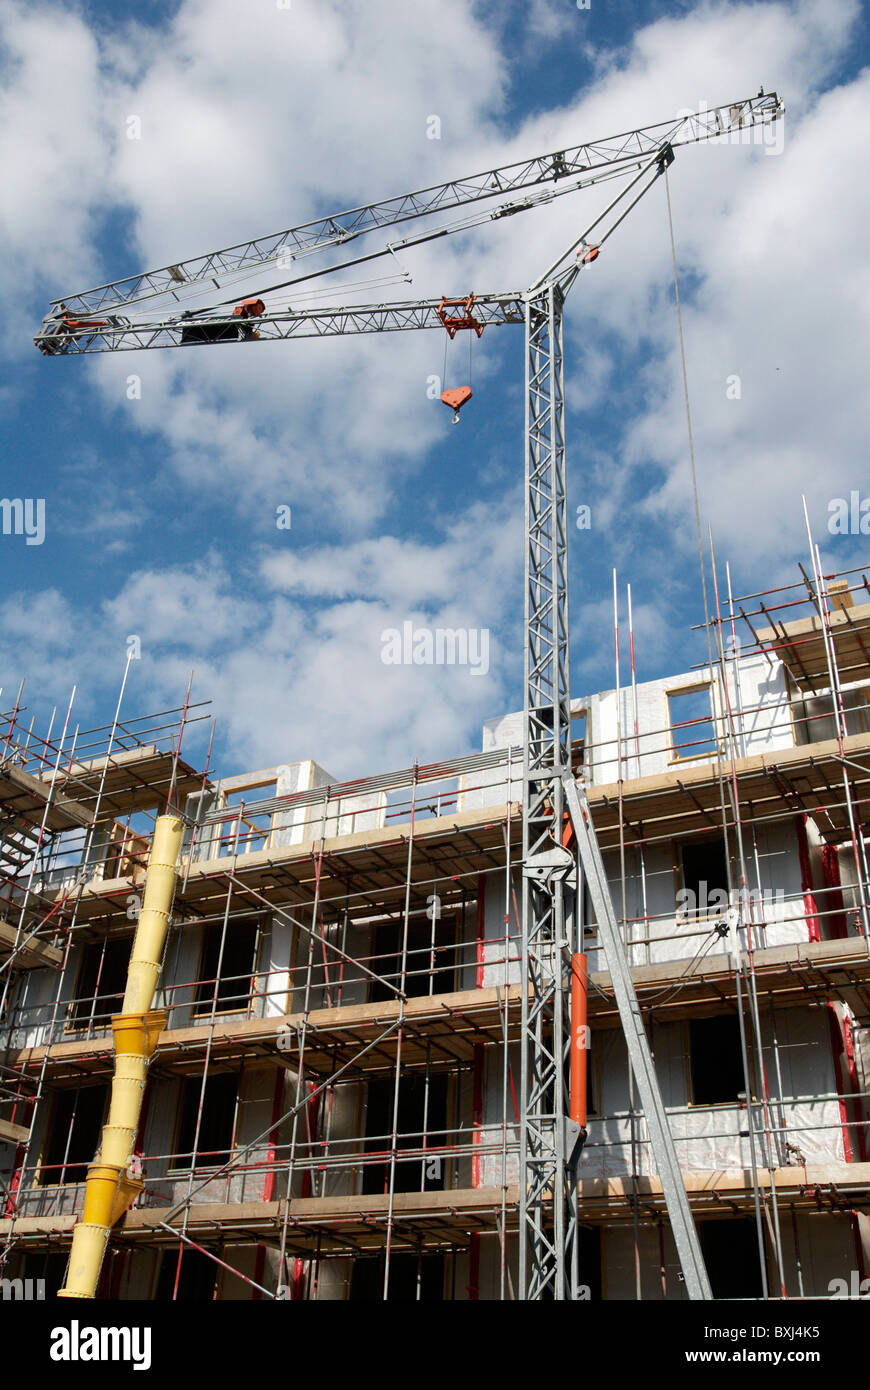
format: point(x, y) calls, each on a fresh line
point(339, 1018)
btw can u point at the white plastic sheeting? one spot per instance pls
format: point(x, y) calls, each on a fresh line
point(805, 1113)
point(773, 907)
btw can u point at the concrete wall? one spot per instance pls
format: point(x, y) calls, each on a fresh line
point(501, 930)
point(40, 1006)
point(653, 879)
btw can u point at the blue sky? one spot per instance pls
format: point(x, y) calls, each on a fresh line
point(160, 511)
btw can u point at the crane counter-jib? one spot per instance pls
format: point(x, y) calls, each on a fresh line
point(114, 334)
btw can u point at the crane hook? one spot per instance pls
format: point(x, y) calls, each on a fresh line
point(456, 398)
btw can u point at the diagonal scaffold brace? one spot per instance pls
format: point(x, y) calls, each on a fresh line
point(639, 1052)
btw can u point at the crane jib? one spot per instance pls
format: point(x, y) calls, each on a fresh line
point(686, 127)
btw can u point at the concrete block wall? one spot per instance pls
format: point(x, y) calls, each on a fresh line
point(802, 1077)
point(759, 698)
point(653, 879)
point(294, 825)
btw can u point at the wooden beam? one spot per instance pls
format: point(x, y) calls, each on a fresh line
point(785, 975)
point(33, 954)
point(13, 1134)
point(339, 1224)
point(23, 795)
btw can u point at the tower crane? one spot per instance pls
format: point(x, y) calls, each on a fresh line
point(146, 311)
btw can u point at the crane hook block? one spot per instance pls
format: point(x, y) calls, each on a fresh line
point(456, 399)
point(454, 322)
point(587, 254)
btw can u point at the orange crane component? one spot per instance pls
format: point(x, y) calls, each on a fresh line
point(455, 322)
point(64, 322)
point(249, 309)
point(456, 397)
point(577, 1097)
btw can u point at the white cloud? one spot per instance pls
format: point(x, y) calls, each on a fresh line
point(781, 305)
point(477, 559)
point(296, 670)
point(254, 116)
point(53, 145)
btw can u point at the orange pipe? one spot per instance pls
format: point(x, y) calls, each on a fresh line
point(579, 1038)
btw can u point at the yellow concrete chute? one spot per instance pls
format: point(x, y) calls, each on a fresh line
point(110, 1188)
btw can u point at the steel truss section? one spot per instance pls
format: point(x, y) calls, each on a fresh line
point(549, 1218)
point(546, 756)
point(728, 121)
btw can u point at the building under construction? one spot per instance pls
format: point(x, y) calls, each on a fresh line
point(331, 1085)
